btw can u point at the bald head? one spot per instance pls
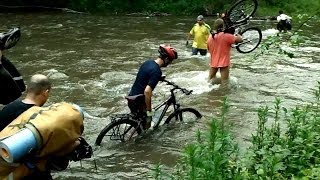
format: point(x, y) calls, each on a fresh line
point(38, 83)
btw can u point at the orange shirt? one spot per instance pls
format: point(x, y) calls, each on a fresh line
point(220, 48)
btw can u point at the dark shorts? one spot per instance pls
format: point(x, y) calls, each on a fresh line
point(137, 105)
point(284, 25)
point(195, 51)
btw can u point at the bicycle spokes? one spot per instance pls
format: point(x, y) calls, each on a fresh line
point(243, 10)
point(251, 39)
point(121, 132)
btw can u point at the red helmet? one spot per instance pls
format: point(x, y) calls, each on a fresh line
point(167, 52)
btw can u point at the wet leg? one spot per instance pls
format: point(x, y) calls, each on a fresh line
point(224, 71)
point(212, 74)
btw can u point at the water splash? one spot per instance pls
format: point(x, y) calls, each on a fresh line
point(198, 81)
point(269, 32)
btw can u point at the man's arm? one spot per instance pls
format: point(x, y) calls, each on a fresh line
point(148, 95)
point(238, 38)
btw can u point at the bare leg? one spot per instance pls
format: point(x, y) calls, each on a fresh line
point(224, 71)
point(212, 73)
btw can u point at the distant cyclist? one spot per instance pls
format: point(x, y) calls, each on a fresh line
point(284, 22)
point(148, 76)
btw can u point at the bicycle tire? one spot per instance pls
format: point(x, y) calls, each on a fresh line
point(178, 114)
point(236, 16)
point(251, 39)
point(112, 125)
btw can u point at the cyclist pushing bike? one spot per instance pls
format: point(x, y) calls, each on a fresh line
point(149, 74)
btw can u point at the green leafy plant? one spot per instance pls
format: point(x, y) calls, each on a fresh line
point(285, 146)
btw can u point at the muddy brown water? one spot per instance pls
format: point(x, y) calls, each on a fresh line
point(92, 61)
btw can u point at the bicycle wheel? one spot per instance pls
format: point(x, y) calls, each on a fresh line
point(251, 40)
point(119, 130)
point(184, 114)
point(242, 10)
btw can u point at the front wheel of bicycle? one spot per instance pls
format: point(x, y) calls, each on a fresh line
point(251, 40)
point(121, 130)
point(242, 10)
point(185, 115)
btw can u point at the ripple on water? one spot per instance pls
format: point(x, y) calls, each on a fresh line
point(101, 62)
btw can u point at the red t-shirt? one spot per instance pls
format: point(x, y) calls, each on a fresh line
point(220, 48)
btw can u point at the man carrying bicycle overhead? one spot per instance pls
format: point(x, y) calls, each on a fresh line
point(148, 76)
point(219, 46)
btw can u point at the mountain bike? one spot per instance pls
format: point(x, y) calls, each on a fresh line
point(125, 127)
point(236, 18)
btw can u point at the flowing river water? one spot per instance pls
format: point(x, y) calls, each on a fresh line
point(92, 61)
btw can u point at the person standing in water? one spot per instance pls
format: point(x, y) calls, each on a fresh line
point(284, 22)
point(219, 46)
point(148, 76)
point(200, 31)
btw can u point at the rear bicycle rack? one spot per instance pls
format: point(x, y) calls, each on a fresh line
point(117, 132)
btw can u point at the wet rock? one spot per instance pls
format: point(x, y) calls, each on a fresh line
point(55, 74)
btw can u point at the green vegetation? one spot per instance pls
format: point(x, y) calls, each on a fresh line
point(185, 7)
point(177, 7)
point(284, 146)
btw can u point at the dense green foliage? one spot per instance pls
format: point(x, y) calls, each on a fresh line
point(178, 7)
point(209, 7)
point(285, 146)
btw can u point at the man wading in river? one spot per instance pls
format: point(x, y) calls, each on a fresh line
point(147, 79)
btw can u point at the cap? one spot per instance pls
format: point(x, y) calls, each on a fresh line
point(200, 18)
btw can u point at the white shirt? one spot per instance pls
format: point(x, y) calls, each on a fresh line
point(283, 17)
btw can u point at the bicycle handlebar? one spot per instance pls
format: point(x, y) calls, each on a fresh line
point(185, 91)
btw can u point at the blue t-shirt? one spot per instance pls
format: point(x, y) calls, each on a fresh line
point(149, 74)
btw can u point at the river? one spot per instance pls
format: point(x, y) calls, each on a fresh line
point(92, 61)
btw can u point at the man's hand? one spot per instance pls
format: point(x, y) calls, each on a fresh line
point(148, 119)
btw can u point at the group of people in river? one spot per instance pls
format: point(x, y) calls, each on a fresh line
point(216, 41)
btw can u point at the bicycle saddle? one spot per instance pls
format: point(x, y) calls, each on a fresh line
point(10, 38)
point(135, 97)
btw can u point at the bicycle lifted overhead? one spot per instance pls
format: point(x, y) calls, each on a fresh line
point(125, 127)
point(236, 18)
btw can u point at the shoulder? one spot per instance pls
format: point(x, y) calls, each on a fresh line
point(207, 26)
point(195, 26)
point(146, 63)
point(17, 105)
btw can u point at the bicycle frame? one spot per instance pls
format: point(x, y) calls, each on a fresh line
point(236, 26)
point(135, 121)
point(167, 103)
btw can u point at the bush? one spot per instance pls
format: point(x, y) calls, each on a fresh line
point(285, 146)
